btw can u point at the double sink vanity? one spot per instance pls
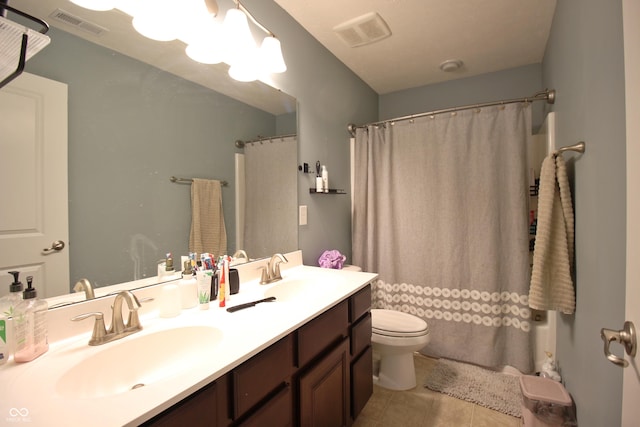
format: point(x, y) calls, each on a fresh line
point(303, 359)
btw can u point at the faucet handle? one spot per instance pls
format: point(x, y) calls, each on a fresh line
point(99, 329)
point(264, 279)
point(133, 321)
point(276, 271)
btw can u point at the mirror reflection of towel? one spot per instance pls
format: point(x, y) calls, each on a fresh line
point(208, 232)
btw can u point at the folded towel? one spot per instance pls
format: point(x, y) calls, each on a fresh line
point(551, 282)
point(208, 232)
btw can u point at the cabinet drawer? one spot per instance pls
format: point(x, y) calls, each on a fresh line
point(361, 335)
point(260, 375)
point(360, 303)
point(321, 332)
point(277, 412)
point(199, 409)
point(361, 382)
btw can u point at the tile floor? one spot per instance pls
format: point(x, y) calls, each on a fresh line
point(421, 407)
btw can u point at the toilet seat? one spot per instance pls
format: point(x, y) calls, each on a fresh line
point(393, 323)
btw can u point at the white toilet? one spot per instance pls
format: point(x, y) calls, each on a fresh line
point(395, 336)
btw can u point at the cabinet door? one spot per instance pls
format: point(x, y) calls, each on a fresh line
point(325, 390)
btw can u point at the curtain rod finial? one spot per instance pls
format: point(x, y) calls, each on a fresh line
point(551, 96)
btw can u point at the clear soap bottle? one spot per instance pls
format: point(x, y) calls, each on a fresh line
point(8, 304)
point(30, 326)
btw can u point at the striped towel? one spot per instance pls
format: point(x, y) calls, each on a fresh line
point(551, 282)
point(208, 232)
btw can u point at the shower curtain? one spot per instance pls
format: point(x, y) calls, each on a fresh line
point(440, 213)
point(271, 216)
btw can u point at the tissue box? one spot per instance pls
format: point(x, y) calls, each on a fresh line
point(546, 403)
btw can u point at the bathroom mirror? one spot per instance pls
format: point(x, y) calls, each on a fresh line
point(131, 127)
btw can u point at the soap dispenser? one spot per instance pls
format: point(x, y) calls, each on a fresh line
point(30, 326)
point(8, 304)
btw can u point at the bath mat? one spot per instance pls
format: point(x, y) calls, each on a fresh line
point(493, 390)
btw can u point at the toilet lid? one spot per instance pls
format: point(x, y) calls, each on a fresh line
point(397, 324)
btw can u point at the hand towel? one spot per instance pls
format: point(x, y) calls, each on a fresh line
point(551, 282)
point(208, 232)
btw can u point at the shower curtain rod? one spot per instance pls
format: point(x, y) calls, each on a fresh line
point(240, 143)
point(548, 95)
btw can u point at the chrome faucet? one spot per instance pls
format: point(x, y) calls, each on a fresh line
point(271, 273)
point(240, 253)
point(84, 285)
point(118, 328)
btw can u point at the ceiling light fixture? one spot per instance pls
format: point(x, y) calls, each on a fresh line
point(208, 41)
point(451, 65)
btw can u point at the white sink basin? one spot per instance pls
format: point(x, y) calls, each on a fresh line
point(138, 361)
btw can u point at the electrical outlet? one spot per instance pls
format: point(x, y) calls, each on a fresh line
point(302, 215)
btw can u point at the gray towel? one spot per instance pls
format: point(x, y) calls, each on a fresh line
point(208, 232)
point(551, 283)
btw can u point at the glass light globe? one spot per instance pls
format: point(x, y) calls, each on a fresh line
point(237, 36)
point(271, 56)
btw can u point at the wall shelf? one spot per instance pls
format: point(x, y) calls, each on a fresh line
point(331, 191)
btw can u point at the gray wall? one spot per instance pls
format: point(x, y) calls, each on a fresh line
point(584, 61)
point(131, 127)
point(507, 84)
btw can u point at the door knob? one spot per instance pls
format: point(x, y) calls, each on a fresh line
point(626, 337)
point(56, 246)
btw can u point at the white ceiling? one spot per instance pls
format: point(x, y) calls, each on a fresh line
point(487, 35)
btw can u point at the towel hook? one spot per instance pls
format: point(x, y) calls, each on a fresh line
point(579, 147)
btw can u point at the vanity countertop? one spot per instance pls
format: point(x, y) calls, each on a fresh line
point(31, 392)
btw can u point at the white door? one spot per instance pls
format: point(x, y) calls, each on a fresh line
point(631, 381)
point(33, 172)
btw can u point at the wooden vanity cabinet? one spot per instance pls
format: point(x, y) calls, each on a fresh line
point(319, 375)
point(338, 381)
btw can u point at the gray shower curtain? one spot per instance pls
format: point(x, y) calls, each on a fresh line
point(440, 212)
point(271, 216)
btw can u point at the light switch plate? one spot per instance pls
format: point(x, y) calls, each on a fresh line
point(302, 215)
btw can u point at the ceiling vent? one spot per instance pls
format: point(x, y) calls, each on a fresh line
point(77, 22)
point(363, 30)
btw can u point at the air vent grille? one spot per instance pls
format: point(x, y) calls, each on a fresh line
point(363, 30)
point(77, 22)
